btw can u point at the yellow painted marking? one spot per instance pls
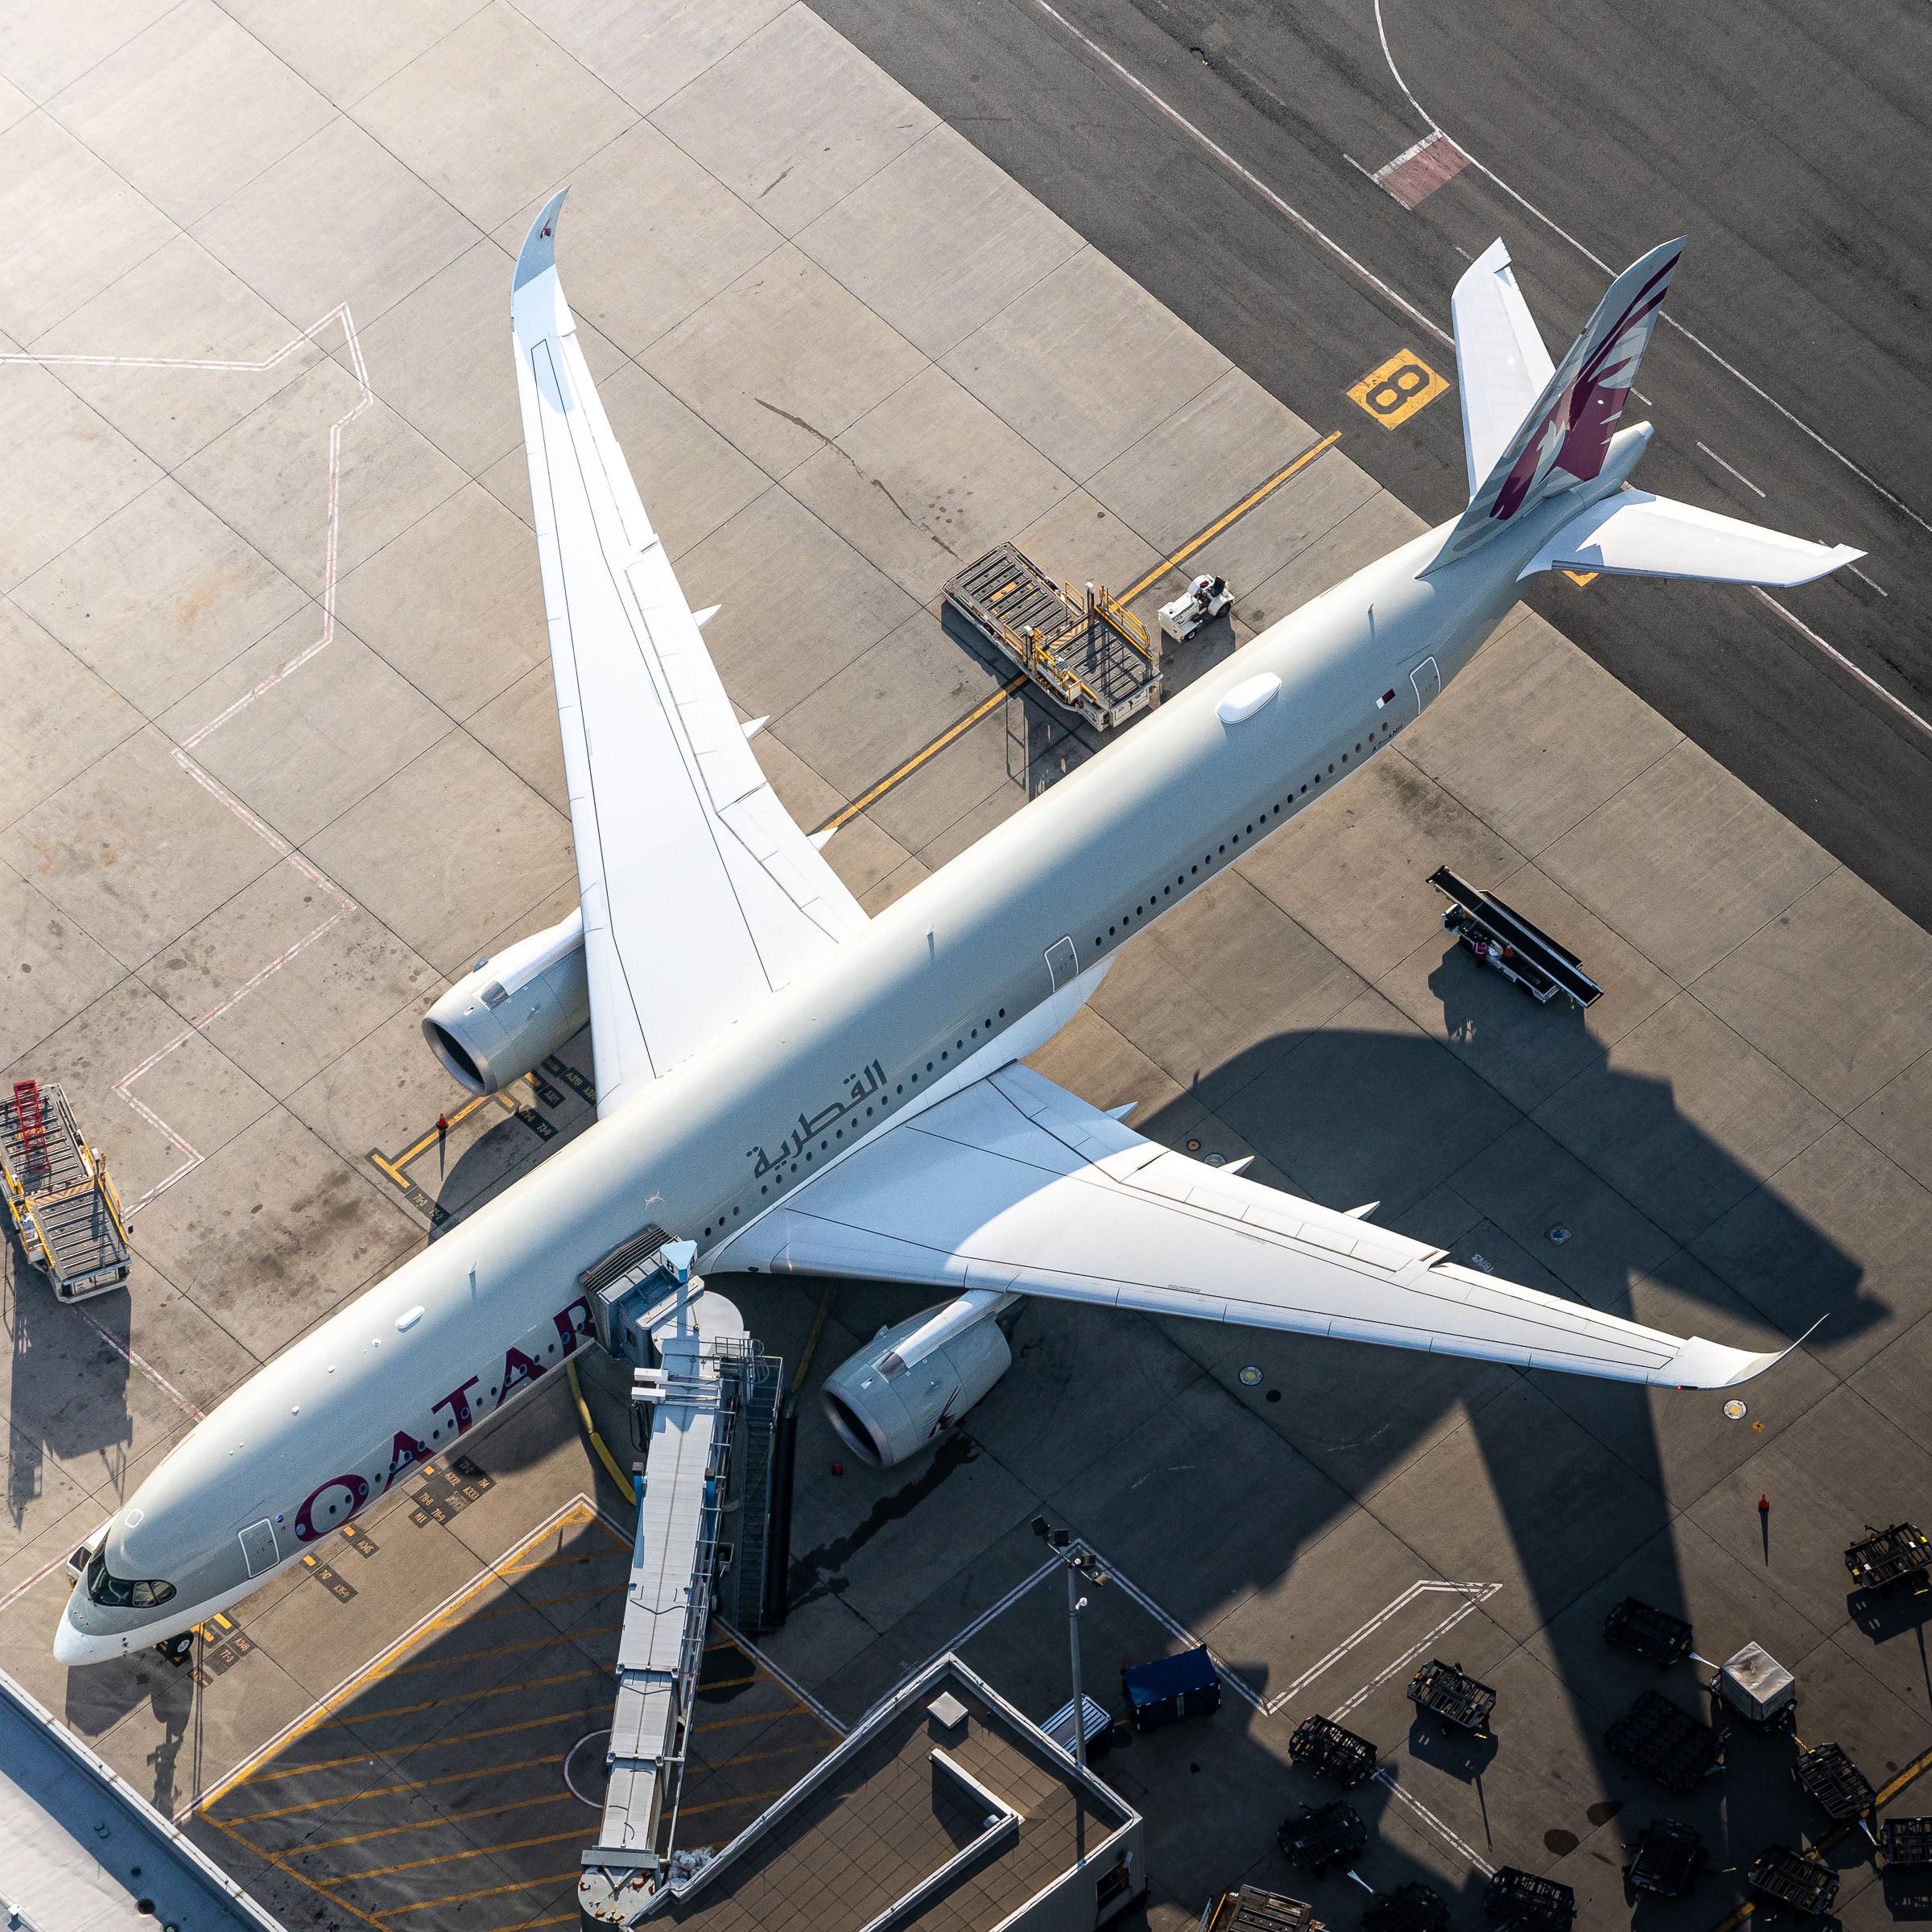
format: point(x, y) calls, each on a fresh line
point(428, 1744)
point(758, 1717)
point(431, 1824)
point(885, 784)
point(572, 1515)
point(1579, 578)
point(731, 1683)
point(419, 1784)
point(457, 1858)
point(453, 1898)
point(534, 1643)
point(720, 1804)
point(473, 1697)
point(289, 1870)
point(1227, 516)
point(1394, 390)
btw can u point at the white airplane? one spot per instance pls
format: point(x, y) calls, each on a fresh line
point(800, 1090)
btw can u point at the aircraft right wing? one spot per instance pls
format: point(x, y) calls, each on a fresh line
point(1014, 1183)
point(1636, 535)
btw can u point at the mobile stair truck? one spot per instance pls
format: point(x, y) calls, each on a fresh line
point(63, 1206)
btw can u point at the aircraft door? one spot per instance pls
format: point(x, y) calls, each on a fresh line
point(1062, 963)
point(1427, 679)
point(258, 1548)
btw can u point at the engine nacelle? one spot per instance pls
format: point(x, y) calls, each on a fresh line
point(885, 1411)
point(494, 1026)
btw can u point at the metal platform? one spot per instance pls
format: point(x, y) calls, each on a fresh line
point(62, 1204)
point(1091, 655)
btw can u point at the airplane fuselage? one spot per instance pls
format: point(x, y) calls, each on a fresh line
point(956, 977)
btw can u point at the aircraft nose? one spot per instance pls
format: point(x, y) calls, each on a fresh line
point(73, 1646)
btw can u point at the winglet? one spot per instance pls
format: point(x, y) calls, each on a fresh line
point(539, 250)
point(1716, 1367)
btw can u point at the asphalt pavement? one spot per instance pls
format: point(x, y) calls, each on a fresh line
point(1792, 387)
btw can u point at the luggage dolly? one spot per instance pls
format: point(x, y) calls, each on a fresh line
point(1665, 1857)
point(1783, 1877)
point(1453, 1699)
point(1885, 1559)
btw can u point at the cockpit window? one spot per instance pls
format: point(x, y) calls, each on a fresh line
point(114, 1594)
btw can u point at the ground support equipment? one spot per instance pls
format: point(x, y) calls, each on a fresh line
point(1497, 935)
point(1652, 1633)
point(1089, 655)
point(1787, 1878)
point(1452, 1697)
point(1664, 1740)
point(1843, 1791)
point(1665, 1857)
point(1333, 1835)
point(1252, 1910)
point(1521, 1898)
point(1888, 1558)
point(1321, 1745)
point(1170, 1688)
point(1412, 1907)
point(63, 1206)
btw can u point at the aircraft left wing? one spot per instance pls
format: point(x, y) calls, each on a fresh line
point(1014, 1183)
point(700, 896)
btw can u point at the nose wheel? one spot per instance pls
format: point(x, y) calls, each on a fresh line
point(178, 1650)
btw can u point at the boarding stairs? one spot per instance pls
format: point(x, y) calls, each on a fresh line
point(63, 1206)
point(1091, 655)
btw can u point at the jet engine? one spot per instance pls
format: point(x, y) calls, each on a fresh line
point(495, 1025)
point(915, 1380)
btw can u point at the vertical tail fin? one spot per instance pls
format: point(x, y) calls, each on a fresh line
point(1563, 435)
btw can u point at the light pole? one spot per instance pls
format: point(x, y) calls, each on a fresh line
point(1078, 1564)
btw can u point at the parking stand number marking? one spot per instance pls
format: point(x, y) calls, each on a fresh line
point(1394, 390)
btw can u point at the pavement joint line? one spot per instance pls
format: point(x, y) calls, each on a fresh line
point(578, 1509)
point(1229, 516)
point(364, 399)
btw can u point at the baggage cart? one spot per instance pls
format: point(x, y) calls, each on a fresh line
point(1665, 1858)
point(66, 1213)
point(1886, 1558)
point(1843, 1791)
point(1803, 1885)
point(1665, 1741)
point(1170, 1688)
point(1254, 1909)
point(1332, 1835)
point(1452, 1697)
point(1321, 1745)
point(1412, 1907)
point(1521, 1898)
point(1651, 1633)
point(1905, 1841)
point(1758, 1688)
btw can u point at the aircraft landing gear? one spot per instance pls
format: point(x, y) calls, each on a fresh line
point(178, 1650)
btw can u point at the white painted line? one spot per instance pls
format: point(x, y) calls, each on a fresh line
point(1696, 341)
point(776, 1671)
point(364, 398)
point(1386, 1778)
point(1246, 174)
point(1838, 657)
point(1872, 581)
point(1427, 1643)
point(1723, 465)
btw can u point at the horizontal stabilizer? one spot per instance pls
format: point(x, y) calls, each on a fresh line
point(1635, 535)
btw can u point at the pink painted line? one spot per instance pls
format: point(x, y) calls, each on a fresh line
point(1419, 172)
point(135, 1361)
point(203, 778)
point(20, 1590)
